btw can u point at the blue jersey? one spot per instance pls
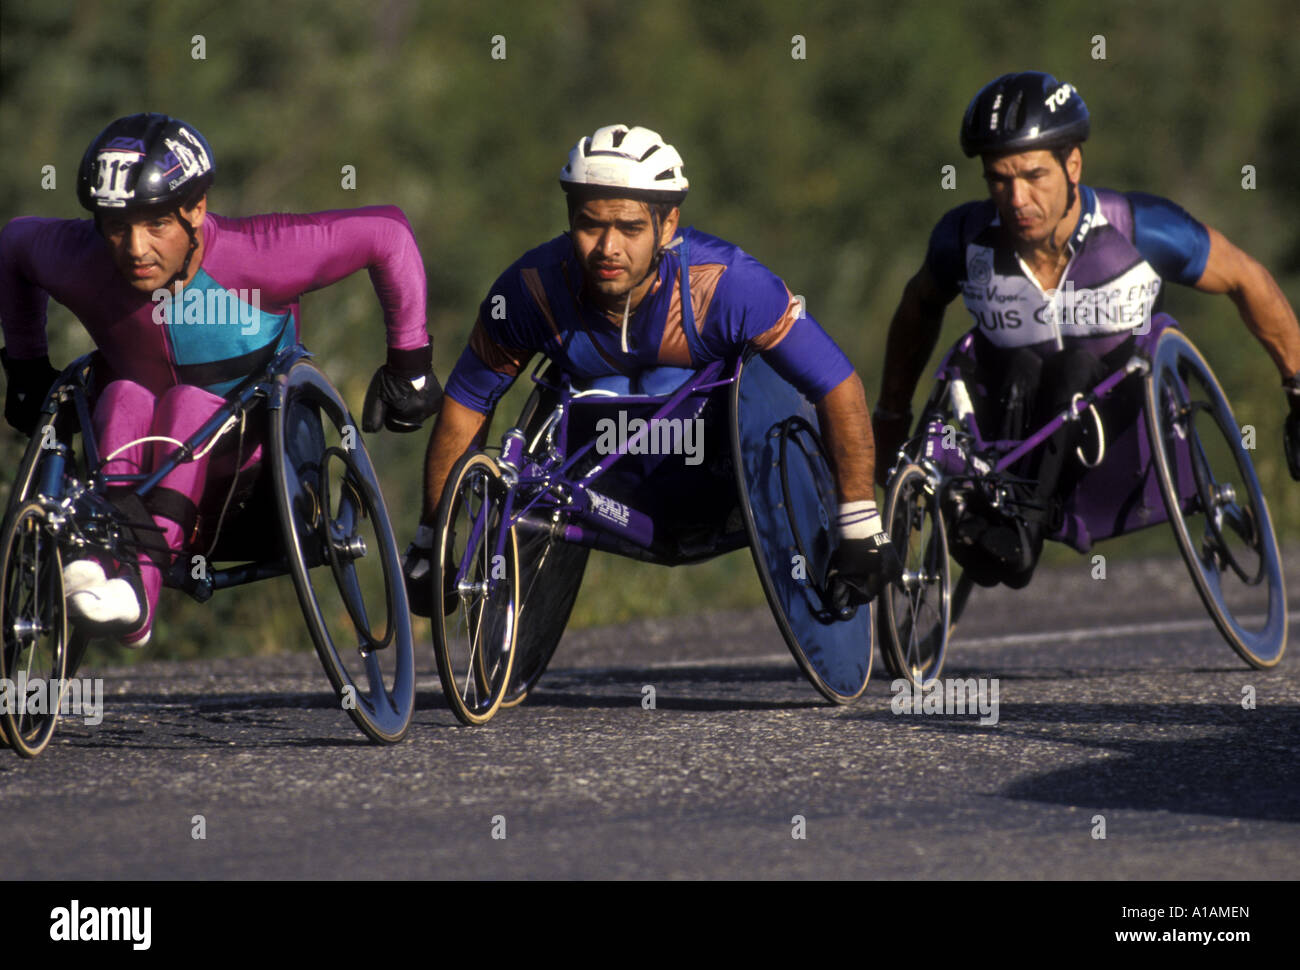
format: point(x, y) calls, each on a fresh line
point(1124, 248)
point(732, 303)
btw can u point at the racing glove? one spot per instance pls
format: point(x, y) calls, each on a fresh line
point(417, 565)
point(889, 429)
point(417, 569)
point(26, 384)
point(860, 569)
point(403, 393)
point(1290, 432)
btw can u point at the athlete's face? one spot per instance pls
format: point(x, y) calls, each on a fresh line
point(149, 248)
point(1030, 190)
point(616, 243)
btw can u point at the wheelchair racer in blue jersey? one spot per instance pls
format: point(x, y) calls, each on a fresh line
point(626, 301)
point(1058, 277)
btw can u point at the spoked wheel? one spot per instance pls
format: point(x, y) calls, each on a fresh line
point(1214, 501)
point(35, 629)
point(342, 555)
point(917, 608)
point(477, 568)
point(550, 575)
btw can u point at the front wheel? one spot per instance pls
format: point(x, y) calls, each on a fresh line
point(476, 574)
point(1214, 501)
point(33, 620)
point(916, 609)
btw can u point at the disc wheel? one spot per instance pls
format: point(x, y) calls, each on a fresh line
point(35, 630)
point(916, 608)
point(1215, 505)
point(342, 555)
point(477, 568)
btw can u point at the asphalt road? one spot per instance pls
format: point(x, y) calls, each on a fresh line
point(1116, 699)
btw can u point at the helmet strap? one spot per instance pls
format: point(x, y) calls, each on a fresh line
point(193, 233)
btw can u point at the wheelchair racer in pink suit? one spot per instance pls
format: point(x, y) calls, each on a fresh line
point(183, 305)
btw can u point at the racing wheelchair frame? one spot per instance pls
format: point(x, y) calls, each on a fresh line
point(1180, 460)
point(324, 493)
point(515, 528)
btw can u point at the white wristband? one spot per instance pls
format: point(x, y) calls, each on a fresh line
point(859, 520)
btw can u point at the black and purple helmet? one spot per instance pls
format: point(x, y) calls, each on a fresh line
point(145, 160)
point(1021, 113)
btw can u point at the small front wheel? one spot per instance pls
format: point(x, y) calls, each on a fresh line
point(476, 576)
point(33, 619)
point(916, 608)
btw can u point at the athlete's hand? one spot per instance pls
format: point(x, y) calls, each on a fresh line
point(26, 384)
point(417, 564)
point(403, 393)
point(1290, 436)
point(860, 569)
point(889, 429)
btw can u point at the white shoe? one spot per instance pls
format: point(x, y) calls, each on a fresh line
point(82, 574)
point(111, 603)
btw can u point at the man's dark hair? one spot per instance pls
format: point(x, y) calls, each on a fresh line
point(658, 210)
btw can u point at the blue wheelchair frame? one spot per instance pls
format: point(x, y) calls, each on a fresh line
point(777, 497)
point(75, 511)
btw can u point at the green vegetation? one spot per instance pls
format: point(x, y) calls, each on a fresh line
point(827, 168)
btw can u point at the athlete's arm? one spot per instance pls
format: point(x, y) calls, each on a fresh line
point(846, 432)
point(456, 431)
point(1258, 298)
point(913, 333)
point(295, 254)
point(23, 302)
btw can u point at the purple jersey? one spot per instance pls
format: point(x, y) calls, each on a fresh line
point(241, 307)
point(1122, 250)
point(538, 306)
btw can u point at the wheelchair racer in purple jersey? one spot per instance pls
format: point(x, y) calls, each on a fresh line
point(1058, 277)
point(604, 301)
point(183, 305)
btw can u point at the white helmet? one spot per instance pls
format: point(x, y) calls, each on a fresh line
point(636, 160)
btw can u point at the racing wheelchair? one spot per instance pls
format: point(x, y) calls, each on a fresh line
point(1173, 452)
point(516, 524)
point(311, 507)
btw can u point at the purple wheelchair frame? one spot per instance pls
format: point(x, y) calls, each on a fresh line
point(1119, 495)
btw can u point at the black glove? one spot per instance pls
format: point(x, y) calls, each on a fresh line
point(417, 571)
point(1290, 432)
point(889, 429)
point(27, 383)
point(860, 569)
point(417, 566)
point(403, 393)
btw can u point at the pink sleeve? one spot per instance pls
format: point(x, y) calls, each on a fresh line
point(295, 254)
point(25, 245)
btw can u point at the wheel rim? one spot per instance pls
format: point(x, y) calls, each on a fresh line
point(475, 644)
point(34, 624)
point(1217, 509)
point(343, 556)
point(918, 606)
